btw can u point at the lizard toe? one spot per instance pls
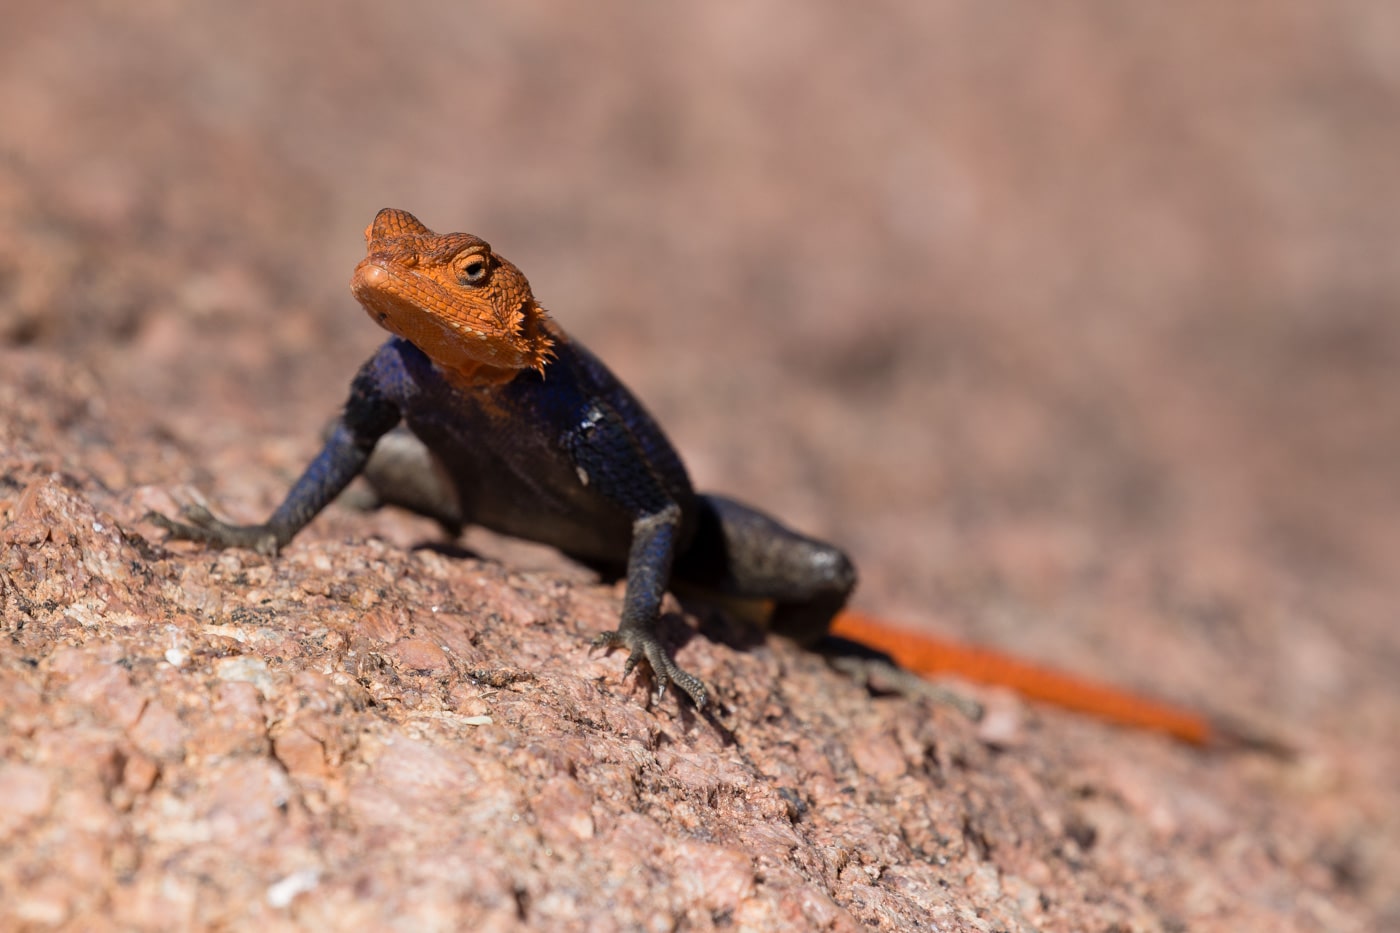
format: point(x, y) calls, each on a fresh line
point(199, 516)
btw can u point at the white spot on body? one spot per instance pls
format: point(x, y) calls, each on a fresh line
point(591, 418)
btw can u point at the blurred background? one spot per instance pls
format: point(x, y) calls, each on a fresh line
point(1076, 324)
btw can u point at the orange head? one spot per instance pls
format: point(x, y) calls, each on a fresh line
point(449, 295)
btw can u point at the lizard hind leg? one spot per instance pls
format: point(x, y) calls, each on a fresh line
point(740, 552)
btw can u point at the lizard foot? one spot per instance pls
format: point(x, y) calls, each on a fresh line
point(643, 645)
point(873, 673)
point(200, 525)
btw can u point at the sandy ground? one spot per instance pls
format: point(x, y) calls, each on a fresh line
point(1076, 326)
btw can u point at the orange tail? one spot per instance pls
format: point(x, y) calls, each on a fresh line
point(926, 654)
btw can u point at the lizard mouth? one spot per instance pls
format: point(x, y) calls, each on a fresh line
point(457, 330)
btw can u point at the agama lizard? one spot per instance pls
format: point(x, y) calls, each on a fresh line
point(499, 419)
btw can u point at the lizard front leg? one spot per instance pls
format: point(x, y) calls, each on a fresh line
point(648, 570)
point(369, 414)
point(606, 456)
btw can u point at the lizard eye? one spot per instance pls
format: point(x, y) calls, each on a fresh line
point(472, 268)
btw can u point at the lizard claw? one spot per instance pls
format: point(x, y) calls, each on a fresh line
point(643, 646)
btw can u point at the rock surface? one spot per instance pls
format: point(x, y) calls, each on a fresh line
point(1076, 326)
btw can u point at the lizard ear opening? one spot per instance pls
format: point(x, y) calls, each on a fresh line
point(391, 223)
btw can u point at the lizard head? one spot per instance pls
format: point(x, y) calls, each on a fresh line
point(449, 295)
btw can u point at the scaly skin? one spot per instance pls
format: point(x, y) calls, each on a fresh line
point(480, 410)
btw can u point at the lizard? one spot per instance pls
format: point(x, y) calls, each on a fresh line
point(480, 409)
